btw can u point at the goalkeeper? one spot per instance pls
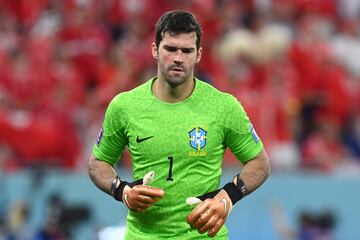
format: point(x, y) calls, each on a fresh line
point(177, 129)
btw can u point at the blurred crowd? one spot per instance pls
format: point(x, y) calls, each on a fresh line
point(60, 221)
point(294, 65)
point(311, 225)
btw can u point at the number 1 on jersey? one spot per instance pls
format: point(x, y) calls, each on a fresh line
point(171, 159)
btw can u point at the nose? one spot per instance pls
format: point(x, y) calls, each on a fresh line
point(179, 57)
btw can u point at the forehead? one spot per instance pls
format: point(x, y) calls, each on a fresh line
point(180, 40)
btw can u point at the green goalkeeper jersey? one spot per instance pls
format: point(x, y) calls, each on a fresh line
point(183, 142)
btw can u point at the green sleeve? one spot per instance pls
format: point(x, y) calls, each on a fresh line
point(240, 135)
point(112, 138)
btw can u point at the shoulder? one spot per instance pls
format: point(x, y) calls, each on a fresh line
point(225, 107)
point(212, 94)
point(132, 98)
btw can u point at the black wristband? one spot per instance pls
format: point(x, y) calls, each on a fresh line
point(241, 185)
point(117, 188)
point(235, 193)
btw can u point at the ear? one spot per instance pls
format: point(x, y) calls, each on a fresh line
point(154, 51)
point(198, 57)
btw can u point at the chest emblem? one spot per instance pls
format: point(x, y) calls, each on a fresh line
point(197, 138)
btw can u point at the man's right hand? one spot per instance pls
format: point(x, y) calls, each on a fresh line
point(140, 197)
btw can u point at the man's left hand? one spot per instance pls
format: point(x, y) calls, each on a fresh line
point(210, 215)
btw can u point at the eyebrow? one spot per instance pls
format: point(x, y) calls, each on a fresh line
point(167, 47)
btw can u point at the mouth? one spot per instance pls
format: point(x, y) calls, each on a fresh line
point(177, 69)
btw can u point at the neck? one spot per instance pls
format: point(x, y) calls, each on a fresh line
point(172, 94)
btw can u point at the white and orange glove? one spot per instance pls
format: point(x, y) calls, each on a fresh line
point(138, 195)
point(214, 207)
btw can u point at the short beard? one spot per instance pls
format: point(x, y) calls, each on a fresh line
point(174, 81)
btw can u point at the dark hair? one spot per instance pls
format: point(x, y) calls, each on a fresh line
point(177, 21)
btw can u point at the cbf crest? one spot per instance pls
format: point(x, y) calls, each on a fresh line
point(197, 138)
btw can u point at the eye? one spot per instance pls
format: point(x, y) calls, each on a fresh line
point(170, 49)
point(187, 50)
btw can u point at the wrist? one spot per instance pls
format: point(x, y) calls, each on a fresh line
point(117, 188)
point(241, 185)
point(235, 192)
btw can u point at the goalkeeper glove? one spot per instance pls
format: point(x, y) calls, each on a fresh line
point(118, 185)
point(235, 193)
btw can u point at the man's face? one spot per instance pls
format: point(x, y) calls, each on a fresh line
point(177, 56)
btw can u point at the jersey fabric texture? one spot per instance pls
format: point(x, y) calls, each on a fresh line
point(184, 143)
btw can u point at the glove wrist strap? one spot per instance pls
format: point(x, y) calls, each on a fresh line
point(236, 193)
point(118, 185)
point(117, 188)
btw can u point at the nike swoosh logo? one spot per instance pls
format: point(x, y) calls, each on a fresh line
point(139, 140)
